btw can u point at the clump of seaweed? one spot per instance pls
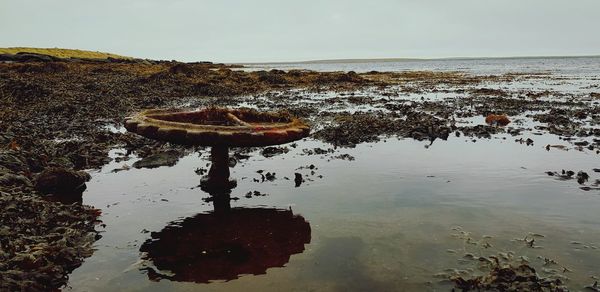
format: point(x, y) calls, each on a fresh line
point(507, 277)
point(41, 242)
point(352, 129)
point(504, 270)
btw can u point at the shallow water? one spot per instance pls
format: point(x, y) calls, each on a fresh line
point(396, 217)
point(383, 221)
point(574, 65)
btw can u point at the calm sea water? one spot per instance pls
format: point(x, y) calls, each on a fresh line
point(575, 65)
point(393, 219)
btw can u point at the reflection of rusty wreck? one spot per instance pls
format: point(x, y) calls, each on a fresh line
point(225, 244)
point(228, 242)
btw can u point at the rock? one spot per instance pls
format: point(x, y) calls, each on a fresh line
point(27, 57)
point(182, 68)
point(61, 162)
point(9, 179)
point(529, 142)
point(56, 180)
point(480, 131)
point(272, 151)
point(582, 177)
point(12, 161)
point(254, 193)
point(272, 77)
point(593, 287)
point(345, 156)
point(167, 158)
point(232, 162)
point(42, 242)
point(298, 179)
point(490, 92)
point(497, 120)
point(270, 176)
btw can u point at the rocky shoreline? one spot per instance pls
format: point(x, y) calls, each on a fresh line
point(59, 117)
point(55, 119)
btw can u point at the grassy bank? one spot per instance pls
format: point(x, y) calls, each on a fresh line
point(62, 53)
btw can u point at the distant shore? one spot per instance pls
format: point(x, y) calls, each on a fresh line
point(389, 60)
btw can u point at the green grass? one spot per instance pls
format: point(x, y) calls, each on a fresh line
point(62, 53)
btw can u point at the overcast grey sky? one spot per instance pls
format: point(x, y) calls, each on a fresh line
point(277, 30)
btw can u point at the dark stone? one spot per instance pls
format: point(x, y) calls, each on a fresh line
point(167, 158)
point(270, 176)
point(272, 77)
point(61, 162)
point(27, 57)
point(12, 161)
point(582, 177)
point(56, 180)
point(10, 179)
point(182, 68)
point(298, 179)
point(272, 151)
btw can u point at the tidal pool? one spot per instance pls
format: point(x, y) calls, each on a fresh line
point(391, 219)
point(392, 215)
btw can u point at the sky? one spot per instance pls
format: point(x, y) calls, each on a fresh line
point(278, 30)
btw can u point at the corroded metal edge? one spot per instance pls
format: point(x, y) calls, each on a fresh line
point(149, 124)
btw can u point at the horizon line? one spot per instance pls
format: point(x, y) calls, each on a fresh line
point(365, 60)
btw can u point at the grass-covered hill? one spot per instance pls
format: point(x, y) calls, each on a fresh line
point(62, 53)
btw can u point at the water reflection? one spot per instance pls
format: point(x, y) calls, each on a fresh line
point(226, 244)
